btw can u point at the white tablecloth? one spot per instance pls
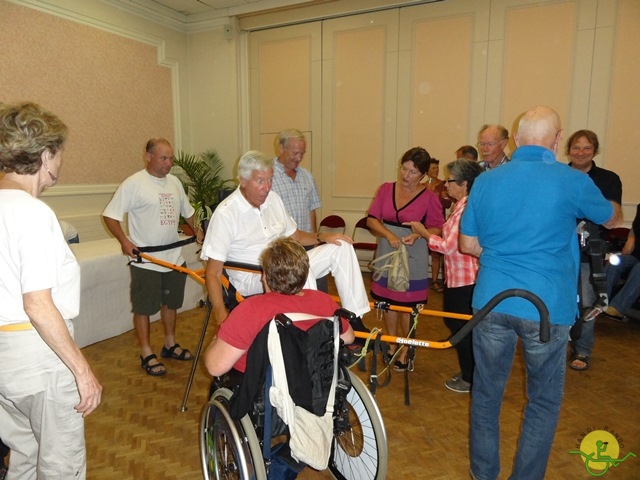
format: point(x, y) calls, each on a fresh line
point(105, 308)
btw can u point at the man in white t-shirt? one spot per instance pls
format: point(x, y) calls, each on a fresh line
point(154, 200)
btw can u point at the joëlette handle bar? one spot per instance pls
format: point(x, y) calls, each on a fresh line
point(197, 275)
point(434, 313)
point(454, 339)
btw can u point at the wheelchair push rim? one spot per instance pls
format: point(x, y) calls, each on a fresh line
point(228, 447)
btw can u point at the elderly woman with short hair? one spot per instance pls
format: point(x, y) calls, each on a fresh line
point(46, 384)
point(460, 269)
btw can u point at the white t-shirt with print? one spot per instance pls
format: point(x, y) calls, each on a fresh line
point(154, 206)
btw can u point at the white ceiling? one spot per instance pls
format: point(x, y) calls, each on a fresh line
point(195, 15)
point(192, 7)
point(189, 12)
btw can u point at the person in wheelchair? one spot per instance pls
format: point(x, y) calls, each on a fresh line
point(285, 266)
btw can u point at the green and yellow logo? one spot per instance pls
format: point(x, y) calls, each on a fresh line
point(600, 450)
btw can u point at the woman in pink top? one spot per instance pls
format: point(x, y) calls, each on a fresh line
point(460, 269)
point(405, 200)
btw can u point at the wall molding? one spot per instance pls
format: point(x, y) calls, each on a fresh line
point(80, 190)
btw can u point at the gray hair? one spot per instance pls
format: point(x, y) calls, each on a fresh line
point(286, 135)
point(464, 169)
point(27, 130)
point(251, 161)
point(503, 132)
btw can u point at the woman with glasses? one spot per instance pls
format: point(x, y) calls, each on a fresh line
point(460, 269)
point(405, 200)
point(437, 186)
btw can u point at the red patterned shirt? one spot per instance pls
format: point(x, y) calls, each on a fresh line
point(460, 269)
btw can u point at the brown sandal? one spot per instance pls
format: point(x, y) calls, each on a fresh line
point(581, 358)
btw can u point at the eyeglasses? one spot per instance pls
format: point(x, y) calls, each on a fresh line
point(450, 180)
point(486, 144)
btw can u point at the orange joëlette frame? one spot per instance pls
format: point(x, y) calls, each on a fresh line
point(199, 276)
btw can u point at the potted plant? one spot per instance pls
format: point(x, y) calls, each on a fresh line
point(201, 178)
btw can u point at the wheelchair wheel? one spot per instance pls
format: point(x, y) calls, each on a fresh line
point(359, 450)
point(228, 449)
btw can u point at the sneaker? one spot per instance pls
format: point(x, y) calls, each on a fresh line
point(458, 385)
point(456, 377)
point(590, 314)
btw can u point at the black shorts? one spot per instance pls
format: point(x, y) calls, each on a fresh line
point(150, 290)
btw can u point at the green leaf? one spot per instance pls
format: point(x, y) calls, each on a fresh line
point(202, 180)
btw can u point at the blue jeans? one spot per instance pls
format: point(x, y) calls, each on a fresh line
point(621, 302)
point(631, 289)
point(584, 345)
point(494, 345)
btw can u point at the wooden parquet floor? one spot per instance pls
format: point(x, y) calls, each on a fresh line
point(140, 433)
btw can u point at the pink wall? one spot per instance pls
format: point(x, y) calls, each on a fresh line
point(108, 89)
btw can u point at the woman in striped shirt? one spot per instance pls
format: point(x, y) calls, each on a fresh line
point(460, 269)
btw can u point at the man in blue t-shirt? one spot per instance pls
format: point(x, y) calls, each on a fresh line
point(520, 221)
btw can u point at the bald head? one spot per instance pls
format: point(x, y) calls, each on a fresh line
point(539, 126)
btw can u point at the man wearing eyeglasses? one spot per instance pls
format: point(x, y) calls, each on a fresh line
point(492, 140)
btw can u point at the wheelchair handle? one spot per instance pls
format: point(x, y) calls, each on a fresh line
point(344, 313)
point(283, 320)
point(543, 311)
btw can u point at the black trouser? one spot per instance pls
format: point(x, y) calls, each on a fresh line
point(3, 450)
point(458, 300)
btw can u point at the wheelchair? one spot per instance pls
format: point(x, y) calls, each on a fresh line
point(233, 449)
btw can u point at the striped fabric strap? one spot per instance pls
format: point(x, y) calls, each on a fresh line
point(16, 327)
